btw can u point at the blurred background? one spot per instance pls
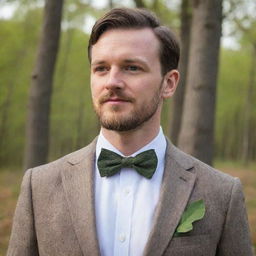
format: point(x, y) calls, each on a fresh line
point(45, 101)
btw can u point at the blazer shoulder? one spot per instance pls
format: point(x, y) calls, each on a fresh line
point(204, 172)
point(51, 171)
point(217, 188)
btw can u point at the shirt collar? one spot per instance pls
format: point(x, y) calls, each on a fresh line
point(158, 144)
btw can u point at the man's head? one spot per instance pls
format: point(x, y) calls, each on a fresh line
point(125, 18)
point(129, 75)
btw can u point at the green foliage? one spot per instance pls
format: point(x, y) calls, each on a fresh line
point(18, 52)
point(167, 15)
point(73, 123)
point(231, 99)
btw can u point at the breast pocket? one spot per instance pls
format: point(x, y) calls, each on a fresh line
point(199, 245)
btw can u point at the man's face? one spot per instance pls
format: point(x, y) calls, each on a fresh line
point(126, 80)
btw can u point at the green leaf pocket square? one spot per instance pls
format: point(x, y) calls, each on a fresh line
point(194, 212)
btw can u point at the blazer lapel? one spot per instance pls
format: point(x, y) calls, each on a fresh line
point(176, 188)
point(78, 179)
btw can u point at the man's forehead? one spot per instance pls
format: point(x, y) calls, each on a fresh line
point(134, 42)
point(135, 32)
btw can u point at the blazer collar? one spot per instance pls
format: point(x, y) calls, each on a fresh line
point(78, 184)
point(177, 185)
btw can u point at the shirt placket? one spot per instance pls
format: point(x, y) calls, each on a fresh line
point(124, 213)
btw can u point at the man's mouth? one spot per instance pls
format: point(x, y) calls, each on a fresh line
point(114, 99)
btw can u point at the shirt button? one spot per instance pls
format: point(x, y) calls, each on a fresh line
point(122, 238)
point(127, 191)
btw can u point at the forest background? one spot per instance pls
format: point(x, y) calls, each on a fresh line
point(73, 123)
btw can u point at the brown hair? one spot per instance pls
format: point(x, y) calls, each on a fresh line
point(139, 18)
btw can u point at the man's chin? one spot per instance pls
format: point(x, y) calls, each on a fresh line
point(121, 128)
point(114, 113)
point(116, 122)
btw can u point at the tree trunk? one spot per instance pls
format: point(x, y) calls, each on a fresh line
point(110, 4)
point(41, 86)
point(197, 127)
point(248, 108)
point(139, 3)
point(177, 103)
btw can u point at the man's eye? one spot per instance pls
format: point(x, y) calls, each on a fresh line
point(132, 68)
point(100, 69)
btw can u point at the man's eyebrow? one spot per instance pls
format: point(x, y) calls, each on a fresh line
point(131, 60)
point(135, 60)
point(98, 62)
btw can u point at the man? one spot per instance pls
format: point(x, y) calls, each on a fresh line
point(130, 192)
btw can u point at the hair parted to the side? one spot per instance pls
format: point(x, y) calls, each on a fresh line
point(128, 18)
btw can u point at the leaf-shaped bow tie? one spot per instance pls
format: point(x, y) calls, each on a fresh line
point(109, 163)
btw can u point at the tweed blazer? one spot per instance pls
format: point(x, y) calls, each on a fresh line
point(55, 213)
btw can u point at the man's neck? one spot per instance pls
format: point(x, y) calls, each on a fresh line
point(131, 141)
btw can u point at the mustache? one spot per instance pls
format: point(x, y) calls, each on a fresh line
point(119, 95)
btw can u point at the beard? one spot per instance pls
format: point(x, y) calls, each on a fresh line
point(112, 119)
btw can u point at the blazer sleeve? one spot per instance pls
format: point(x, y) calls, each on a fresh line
point(235, 239)
point(23, 240)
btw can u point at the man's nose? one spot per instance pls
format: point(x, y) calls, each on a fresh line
point(114, 79)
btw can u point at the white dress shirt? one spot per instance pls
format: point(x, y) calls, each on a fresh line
point(125, 203)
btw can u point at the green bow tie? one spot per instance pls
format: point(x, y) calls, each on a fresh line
point(109, 163)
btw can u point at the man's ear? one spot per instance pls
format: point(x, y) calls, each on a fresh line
point(170, 83)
